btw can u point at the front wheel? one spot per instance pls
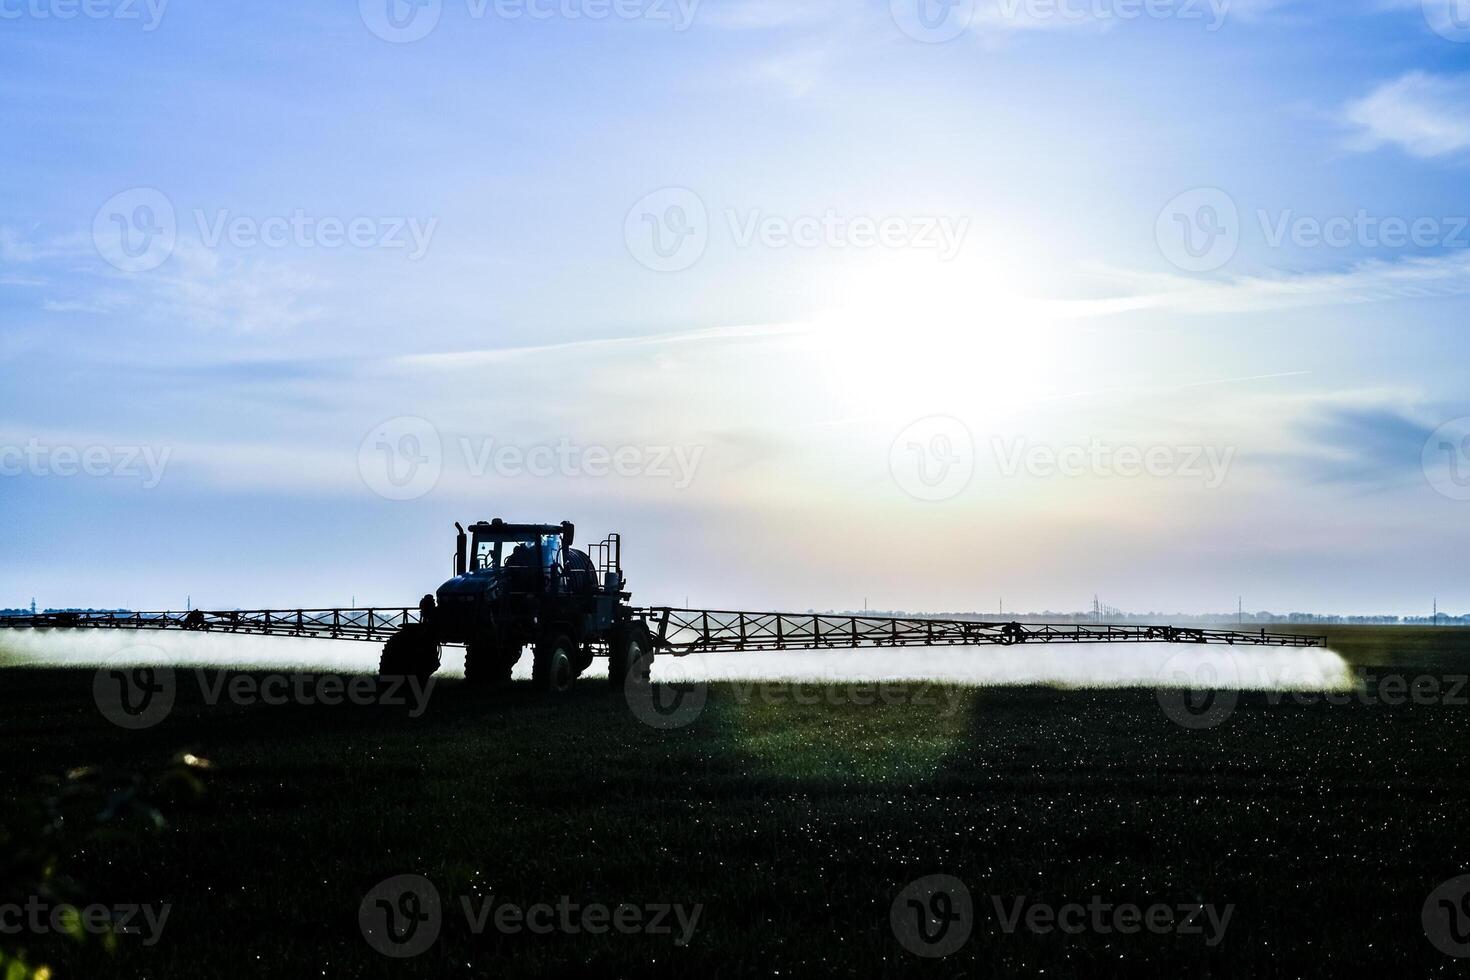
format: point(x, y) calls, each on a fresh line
point(411, 652)
point(630, 656)
point(553, 670)
point(489, 663)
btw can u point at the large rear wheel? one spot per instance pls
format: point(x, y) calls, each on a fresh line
point(553, 671)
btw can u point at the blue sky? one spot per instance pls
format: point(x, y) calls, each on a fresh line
point(810, 305)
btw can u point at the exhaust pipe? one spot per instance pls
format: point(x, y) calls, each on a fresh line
point(459, 549)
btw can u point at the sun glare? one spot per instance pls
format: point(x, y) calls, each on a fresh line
point(907, 340)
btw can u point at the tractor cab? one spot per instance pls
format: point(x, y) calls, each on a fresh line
point(518, 558)
point(514, 547)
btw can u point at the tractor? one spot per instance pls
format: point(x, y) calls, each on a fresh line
point(524, 585)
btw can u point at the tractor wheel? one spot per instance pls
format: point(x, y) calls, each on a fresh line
point(411, 652)
point(584, 659)
point(553, 671)
point(489, 664)
point(631, 654)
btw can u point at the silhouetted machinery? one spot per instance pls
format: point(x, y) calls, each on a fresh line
point(524, 585)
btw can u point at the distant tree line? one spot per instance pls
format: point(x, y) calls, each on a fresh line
point(1119, 617)
point(27, 611)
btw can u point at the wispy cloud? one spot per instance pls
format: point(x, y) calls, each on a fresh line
point(197, 288)
point(205, 290)
point(1369, 281)
point(1425, 115)
point(1367, 446)
point(26, 246)
point(475, 360)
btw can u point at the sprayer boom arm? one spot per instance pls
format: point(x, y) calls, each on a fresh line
point(681, 631)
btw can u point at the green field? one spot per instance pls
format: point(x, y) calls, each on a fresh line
point(1445, 647)
point(793, 826)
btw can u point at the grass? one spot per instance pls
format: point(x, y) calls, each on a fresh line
point(1446, 647)
point(792, 824)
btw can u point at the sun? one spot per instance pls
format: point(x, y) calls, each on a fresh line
point(911, 339)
